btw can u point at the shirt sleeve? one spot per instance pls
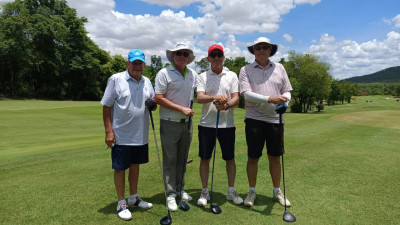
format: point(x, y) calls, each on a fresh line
point(110, 93)
point(201, 81)
point(244, 84)
point(235, 83)
point(161, 82)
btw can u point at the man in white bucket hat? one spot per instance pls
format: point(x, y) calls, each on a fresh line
point(174, 88)
point(264, 84)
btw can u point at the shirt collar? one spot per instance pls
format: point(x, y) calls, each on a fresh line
point(270, 64)
point(223, 72)
point(127, 77)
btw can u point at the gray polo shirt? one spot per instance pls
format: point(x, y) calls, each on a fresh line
point(177, 89)
point(130, 117)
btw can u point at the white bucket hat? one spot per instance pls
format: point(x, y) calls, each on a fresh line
point(263, 40)
point(180, 46)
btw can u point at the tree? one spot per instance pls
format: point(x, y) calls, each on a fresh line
point(202, 65)
point(45, 52)
point(235, 65)
point(310, 76)
point(155, 66)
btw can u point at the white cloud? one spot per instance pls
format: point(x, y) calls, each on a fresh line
point(349, 58)
point(288, 37)
point(396, 21)
point(171, 3)
point(312, 2)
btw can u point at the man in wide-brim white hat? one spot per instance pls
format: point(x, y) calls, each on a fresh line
point(174, 88)
point(264, 85)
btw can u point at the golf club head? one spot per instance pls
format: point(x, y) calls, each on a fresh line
point(288, 217)
point(215, 209)
point(166, 220)
point(184, 206)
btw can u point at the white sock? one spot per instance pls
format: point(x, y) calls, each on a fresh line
point(120, 202)
point(231, 189)
point(252, 189)
point(205, 190)
point(133, 196)
point(276, 189)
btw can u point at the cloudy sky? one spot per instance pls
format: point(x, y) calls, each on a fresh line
point(356, 37)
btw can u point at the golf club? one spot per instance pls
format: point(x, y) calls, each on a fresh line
point(214, 208)
point(184, 206)
point(166, 220)
point(287, 216)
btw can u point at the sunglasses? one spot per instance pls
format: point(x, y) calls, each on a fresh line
point(265, 47)
point(185, 54)
point(219, 54)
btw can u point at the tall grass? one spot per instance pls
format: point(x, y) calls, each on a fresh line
point(341, 167)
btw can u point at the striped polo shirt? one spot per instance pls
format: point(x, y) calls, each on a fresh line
point(271, 80)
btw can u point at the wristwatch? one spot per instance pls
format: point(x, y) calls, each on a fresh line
point(227, 106)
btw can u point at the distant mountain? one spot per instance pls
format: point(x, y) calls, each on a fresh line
point(389, 75)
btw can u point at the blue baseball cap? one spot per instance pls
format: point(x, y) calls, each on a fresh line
point(136, 54)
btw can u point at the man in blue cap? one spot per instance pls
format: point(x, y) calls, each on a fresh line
point(126, 122)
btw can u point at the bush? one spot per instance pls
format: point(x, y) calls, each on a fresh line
point(296, 108)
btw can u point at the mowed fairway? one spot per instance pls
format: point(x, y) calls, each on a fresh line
point(342, 166)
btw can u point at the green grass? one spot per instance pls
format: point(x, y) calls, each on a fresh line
point(342, 167)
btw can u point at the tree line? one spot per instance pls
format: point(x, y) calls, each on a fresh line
point(45, 53)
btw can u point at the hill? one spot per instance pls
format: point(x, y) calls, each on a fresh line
point(389, 75)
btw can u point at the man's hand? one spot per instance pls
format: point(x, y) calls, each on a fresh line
point(188, 112)
point(219, 105)
point(281, 109)
point(279, 100)
point(222, 99)
point(110, 138)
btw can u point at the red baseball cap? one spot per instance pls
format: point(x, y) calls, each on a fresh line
point(215, 46)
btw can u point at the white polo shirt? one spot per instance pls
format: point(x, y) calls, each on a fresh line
point(270, 81)
point(211, 83)
point(130, 117)
point(177, 89)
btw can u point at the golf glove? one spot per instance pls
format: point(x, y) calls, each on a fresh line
point(150, 104)
point(281, 109)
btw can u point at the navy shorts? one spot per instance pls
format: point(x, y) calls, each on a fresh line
point(123, 156)
point(226, 139)
point(260, 133)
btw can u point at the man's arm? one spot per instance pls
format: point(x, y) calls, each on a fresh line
point(163, 101)
point(110, 138)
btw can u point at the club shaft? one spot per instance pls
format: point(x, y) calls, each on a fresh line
point(159, 160)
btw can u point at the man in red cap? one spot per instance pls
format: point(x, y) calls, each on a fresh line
point(217, 90)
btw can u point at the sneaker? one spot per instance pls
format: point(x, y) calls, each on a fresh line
point(235, 198)
point(171, 204)
point(251, 196)
point(204, 197)
point(185, 196)
point(123, 212)
point(281, 199)
point(138, 202)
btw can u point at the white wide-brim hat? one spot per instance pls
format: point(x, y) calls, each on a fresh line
point(180, 46)
point(263, 40)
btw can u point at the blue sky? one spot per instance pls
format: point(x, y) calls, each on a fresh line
point(355, 37)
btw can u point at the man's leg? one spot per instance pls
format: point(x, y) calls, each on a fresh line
point(133, 178)
point(231, 172)
point(204, 171)
point(275, 170)
point(119, 181)
point(252, 170)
